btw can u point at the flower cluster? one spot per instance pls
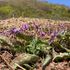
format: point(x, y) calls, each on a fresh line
point(41, 30)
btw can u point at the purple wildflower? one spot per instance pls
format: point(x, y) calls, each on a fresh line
point(25, 27)
point(61, 25)
point(42, 33)
point(53, 35)
point(15, 30)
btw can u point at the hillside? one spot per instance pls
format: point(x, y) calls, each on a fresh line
point(33, 9)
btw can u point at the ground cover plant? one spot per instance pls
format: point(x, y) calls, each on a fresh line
point(34, 44)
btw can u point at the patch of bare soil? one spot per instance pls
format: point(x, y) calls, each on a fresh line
point(65, 65)
point(5, 59)
point(59, 66)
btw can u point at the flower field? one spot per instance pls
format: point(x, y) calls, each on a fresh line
point(34, 44)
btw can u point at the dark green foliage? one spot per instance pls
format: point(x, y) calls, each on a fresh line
point(25, 37)
point(36, 47)
point(4, 43)
point(19, 46)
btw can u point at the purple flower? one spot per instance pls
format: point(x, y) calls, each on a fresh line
point(15, 30)
point(53, 35)
point(25, 27)
point(42, 33)
point(61, 25)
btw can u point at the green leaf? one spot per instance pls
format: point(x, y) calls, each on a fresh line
point(61, 56)
point(46, 61)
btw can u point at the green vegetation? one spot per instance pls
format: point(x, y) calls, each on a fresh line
point(33, 8)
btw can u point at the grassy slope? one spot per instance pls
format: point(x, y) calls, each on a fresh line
point(33, 8)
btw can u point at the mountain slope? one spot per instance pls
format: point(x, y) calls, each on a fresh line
point(33, 8)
